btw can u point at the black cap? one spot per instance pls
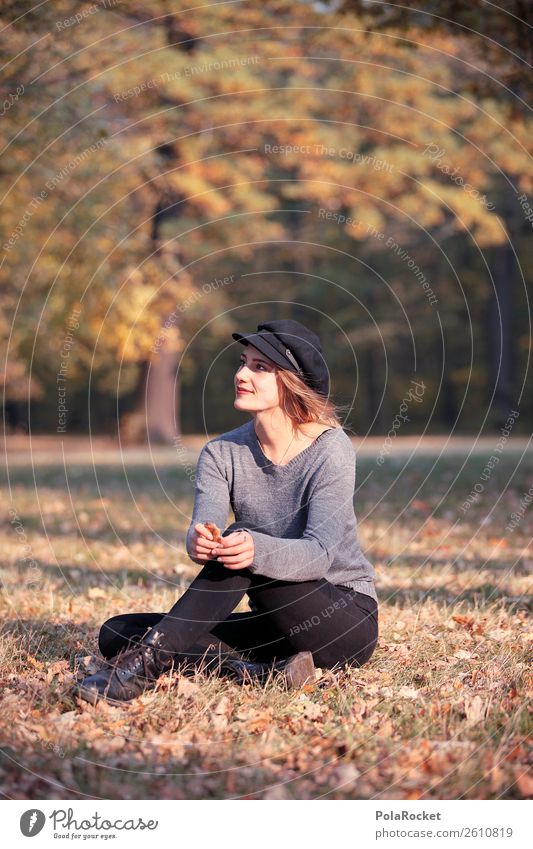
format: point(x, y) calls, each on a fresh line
point(293, 346)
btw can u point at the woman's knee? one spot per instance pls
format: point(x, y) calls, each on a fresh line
point(363, 655)
point(116, 632)
point(332, 656)
point(110, 632)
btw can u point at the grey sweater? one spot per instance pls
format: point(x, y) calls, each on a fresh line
point(300, 515)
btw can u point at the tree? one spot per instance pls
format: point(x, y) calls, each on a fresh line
point(265, 142)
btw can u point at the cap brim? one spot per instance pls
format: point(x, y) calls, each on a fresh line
point(259, 342)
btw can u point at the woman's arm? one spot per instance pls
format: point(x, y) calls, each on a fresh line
point(211, 497)
point(330, 519)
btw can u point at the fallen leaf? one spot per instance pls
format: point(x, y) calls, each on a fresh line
point(108, 745)
point(475, 710)
point(346, 774)
point(220, 714)
point(223, 706)
point(462, 654)
point(187, 688)
point(524, 781)
point(408, 693)
point(261, 722)
point(60, 667)
point(310, 710)
point(277, 792)
point(499, 634)
point(467, 622)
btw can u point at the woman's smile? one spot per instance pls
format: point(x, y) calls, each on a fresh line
point(256, 384)
point(262, 372)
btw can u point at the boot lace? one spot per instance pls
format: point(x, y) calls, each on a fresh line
point(127, 659)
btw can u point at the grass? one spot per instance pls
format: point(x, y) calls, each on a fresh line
point(441, 711)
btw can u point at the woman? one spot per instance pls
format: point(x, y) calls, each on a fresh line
point(289, 476)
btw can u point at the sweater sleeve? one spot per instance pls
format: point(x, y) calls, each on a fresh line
point(211, 497)
point(330, 513)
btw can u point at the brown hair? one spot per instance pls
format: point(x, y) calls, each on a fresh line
point(302, 404)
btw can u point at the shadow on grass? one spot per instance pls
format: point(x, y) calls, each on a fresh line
point(82, 576)
point(482, 595)
point(50, 641)
point(105, 533)
point(420, 563)
point(108, 480)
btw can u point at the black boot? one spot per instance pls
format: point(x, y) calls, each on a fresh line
point(130, 673)
point(295, 670)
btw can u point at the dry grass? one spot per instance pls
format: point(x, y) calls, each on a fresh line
point(441, 711)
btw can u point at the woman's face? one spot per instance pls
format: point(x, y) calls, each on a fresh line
point(256, 386)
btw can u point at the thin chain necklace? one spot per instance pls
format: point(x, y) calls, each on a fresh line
point(266, 455)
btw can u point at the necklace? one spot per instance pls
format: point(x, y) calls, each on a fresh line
point(266, 455)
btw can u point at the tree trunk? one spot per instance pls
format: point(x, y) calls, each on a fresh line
point(161, 398)
point(374, 424)
point(155, 418)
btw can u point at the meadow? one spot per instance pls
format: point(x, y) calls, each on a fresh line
point(441, 711)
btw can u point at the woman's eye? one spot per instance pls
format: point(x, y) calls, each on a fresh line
point(259, 365)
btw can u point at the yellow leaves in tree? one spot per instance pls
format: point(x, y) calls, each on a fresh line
point(470, 213)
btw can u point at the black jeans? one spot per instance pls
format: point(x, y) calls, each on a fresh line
point(338, 625)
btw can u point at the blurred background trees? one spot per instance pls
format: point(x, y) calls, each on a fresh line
point(170, 176)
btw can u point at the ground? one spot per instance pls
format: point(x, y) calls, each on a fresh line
point(441, 711)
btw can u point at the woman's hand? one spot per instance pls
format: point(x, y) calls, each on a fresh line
point(202, 543)
point(236, 551)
